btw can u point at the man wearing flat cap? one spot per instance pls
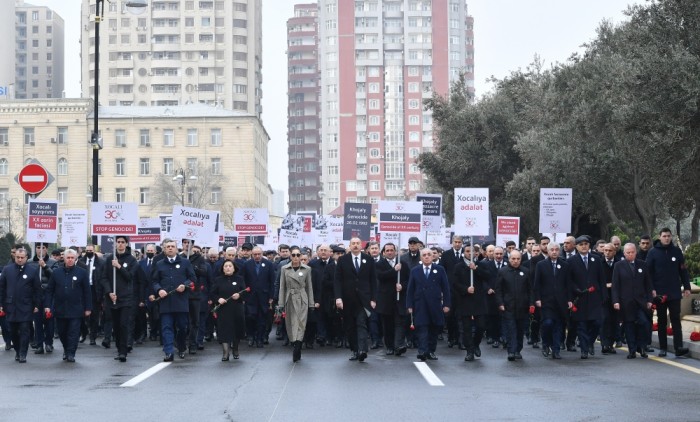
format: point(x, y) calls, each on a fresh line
point(587, 287)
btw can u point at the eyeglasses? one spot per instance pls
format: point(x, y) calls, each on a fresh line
point(296, 255)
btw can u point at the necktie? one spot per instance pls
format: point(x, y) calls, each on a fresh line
point(257, 268)
point(554, 267)
point(427, 272)
point(456, 254)
point(585, 261)
point(610, 264)
point(357, 264)
point(498, 265)
point(172, 260)
point(150, 261)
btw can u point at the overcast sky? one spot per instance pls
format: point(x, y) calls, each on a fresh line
point(507, 33)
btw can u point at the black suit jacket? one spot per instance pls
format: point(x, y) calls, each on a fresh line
point(589, 304)
point(552, 288)
point(463, 302)
point(631, 288)
point(355, 289)
point(387, 277)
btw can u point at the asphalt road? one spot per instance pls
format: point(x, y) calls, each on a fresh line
point(264, 385)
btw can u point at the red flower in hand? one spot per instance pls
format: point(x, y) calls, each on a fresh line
point(216, 316)
point(591, 289)
point(532, 309)
point(694, 336)
point(669, 331)
point(655, 326)
point(413, 327)
point(191, 286)
point(574, 309)
point(284, 315)
point(247, 289)
point(48, 314)
point(2, 314)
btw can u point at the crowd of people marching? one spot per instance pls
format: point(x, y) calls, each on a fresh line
point(555, 297)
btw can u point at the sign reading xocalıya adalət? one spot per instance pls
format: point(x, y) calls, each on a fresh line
point(42, 221)
point(250, 221)
point(432, 211)
point(555, 210)
point(196, 224)
point(472, 211)
point(507, 228)
point(74, 228)
point(113, 218)
point(400, 216)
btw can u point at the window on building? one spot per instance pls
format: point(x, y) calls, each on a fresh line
point(215, 136)
point(144, 196)
point(144, 166)
point(4, 136)
point(168, 138)
point(120, 195)
point(192, 165)
point(29, 136)
point(120, 138)
point(168, 166)
point(62, 196)
point(120, 167)
point(216, 166)
point(62, 167)
point(216, 195)
point(192, 138)
point(4, 167)
point(144, 137)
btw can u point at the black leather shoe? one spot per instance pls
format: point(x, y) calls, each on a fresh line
point(82, 339)
point(259, 344)
point(618, 344)
point(536, 345)
point(511, 357)
point(93, 343)
point(570, 348)
point(591, 350)
point(105, 344)
point(556, 355)
point(584, 355)
point(400, 351)
point(469, 357)
point(682, 351)
point(251, 343)
point(8, 347)
point(432, 356)
point(389, 352)
point(450, 343)
point(353, 356)
point(200, 347)
point(192, 350)
point(22, 359)
point(477, 352)
point(631, 355)
point(462, 346)
point(422, 357)
point(649, 349)
point(121, 358)
point(181, 355)
point(49, 348)
point(64, 356)
point(16, 358)
point(362, 356)
point(643, 354)
point(496, 344)
point(662, 353)
point(71, 359)
point(129, 349)
point(375, 345)
point(518, 355)
point(606, 350)
point(169, 358)
point(39, 351)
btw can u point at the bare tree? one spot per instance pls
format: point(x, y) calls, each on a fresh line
point(194, 190)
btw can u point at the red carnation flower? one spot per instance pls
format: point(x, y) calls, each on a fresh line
point(669, 331)
point(655, 326)
point(574, 309)
point(591, 289)
point(532, 309)
point(216, 316)
point(694, 336)
point(413, 327)
point(48, 315)
point(2, 314)
point(191, 286)
point(247, 289)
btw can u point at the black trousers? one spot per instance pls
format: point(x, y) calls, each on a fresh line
point(394, 330)
point(20, 337)
point(608, 331)
point(69, 333)
point(355, 321)
point(120, 329)
point(673, 308)
point(636, 331)
point(194, 323)
point(473, 331)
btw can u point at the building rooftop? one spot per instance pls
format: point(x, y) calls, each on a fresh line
point(190, 110)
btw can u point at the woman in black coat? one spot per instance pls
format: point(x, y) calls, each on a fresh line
point(227, 292)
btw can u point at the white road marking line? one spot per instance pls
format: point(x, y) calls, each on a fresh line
point(291, 371)
point(142, 376)
point(428, 374)
point(670, 362)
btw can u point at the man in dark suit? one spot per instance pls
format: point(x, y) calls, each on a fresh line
point(68, 293)
point(20, 299)
point(93, 265)
point(631, 294)
point(514, 298)
point(610, 328)
point(318, 269)
point(552, 297)
point(428, 299)
point(391, 301)
point(355, 289)
point(331, 314)
point(587, 285)
point(448, 260)
point(493, 263)
point(259, 275)
point(469, 285)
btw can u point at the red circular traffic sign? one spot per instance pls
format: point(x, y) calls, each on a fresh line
point(33, 178)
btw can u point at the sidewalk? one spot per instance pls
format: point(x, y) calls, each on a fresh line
point(689, 323)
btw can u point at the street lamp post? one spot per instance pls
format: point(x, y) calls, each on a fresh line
point(135, 7)
point(181, 177)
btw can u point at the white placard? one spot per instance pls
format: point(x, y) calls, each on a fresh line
point(74, 228)
point(507, 228)
point(42, 220)
point(193, 223)
point(248, 221)
point(432, 211)
point(555, 210)
point(114, 218)
point(472, 211)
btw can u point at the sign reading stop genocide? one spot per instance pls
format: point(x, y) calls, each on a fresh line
point(34, 178)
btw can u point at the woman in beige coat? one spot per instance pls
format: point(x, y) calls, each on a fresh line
point(296, 297)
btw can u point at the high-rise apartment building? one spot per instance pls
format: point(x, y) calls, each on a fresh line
point(176, 53)
point(39, 57)
point(379, 59)
point(7, 50)
point(303, 127)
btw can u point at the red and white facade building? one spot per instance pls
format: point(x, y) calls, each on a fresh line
point(379, 59)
